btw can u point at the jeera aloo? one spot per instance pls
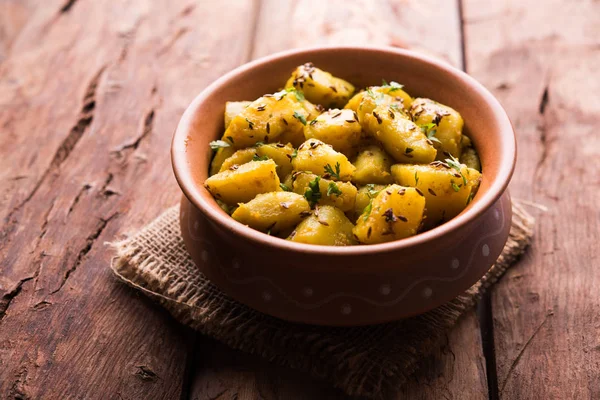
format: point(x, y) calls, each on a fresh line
point(319, 163)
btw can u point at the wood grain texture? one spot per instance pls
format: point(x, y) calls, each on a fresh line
point(90, 93)
point(542, 62)
point(458, 369)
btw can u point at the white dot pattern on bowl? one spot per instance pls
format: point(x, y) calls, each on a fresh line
point(427, 292)
point(385, 289)
point(455, 263)
point(485, 250)
point(346, 309)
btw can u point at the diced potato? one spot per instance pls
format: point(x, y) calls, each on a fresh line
point(326, 226)
point(372, 100)
point(281, 154)
point(395, 213)
point(242, 184)
point(400, 137)
point(319, 158)
point(320, 87)
point(219, 158)
point(233, 108)
point(265, 120)
point(394, 90)
point(443, 187)
point(238, 158)
point(469, 155)
point(339, 128)
point(339, 194)
point(448, 125)
point(364, 196)
point(274, 212)
point(372, 166)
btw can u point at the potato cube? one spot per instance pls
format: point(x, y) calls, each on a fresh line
point(364, 196)
point(233, 108)
point(447, 191)
point(219, 158)
point(393, 89)
point(372, 166)
point(442, 123)
point(321, 159)
point(281, 154)
point(273, 212)
point(320, 87)
point(241, 184)
point(395, 213)
point(324, 191)
point(339, 128)
point(327, 226)
point(265, 120)
point(238, 158)
point(400, 137)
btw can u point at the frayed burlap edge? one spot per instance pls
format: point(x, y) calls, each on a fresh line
point(372, 361)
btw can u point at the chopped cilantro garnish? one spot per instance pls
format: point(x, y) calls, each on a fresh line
point(416, 178)
point(394, 86)
point(284, 187)
point(258, 144)
point(217, 144)
point(300, 117)
point(330, 171)
point(313, 193)
point(294, 154)
point(256, 157)
point(430, 130)
point(455, 187)
point(455, 164)
point(371, 191)
point(367, 210)
point(333, 189)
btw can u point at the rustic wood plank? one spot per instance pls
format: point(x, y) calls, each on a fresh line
point(432, 26)
point(545, 72)
point(90, 92)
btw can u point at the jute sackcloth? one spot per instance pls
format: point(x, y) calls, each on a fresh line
point(371, 361)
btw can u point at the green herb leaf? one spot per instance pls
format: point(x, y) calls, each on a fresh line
point(455, 187)
point(430, 130)
point(330, 171)
point(384, 83)
point(250, 123)
point(471, 195)
point(455, 164)
point(256, 157)
point(284, 187)
point(300, 117)
point(314, 121)
point(313, 193)
point(371, 191)
point(416, 178)
point(218, 144)
point(333, 189)
point(367, 210)
point(281, 94)
point(294, 154)
point(395, 86)
point(258, 144)
point(299, 95)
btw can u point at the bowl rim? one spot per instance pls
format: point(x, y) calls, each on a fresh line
point(473, 211)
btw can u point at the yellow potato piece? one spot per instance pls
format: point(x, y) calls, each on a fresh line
point(219, 158)
point(326, 226)
point(339, 128)
point(320, 87)
point(443, 187)
point(447, 125)
point(315, 156)
point(232, 109)
point(238, 158)
point(399, 136)
point(339, 194)
point(372, 166)
point(273, 212)
point(394, 90)
point(243, 183)
point(281, 154)
point(364, 196)
point(469, 155)
point(395, 213)
point(266, 119)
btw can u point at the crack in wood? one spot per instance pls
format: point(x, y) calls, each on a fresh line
point(147, 129)
point(8, 297)
point(84, 189)
point(544, 100)
point(67, 6)
point(544, 142)
point(254, 30)
point(85, 118)
point(527, 343)
point(145, 373)
point(89, 244)
point(182, 31)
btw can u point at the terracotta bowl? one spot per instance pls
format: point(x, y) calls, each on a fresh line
point(355, 285)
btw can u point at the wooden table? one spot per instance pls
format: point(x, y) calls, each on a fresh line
point(90, 93)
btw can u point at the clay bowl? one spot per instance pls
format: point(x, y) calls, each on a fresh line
point(346, 285)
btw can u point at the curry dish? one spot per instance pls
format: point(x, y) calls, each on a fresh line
point(318, 163)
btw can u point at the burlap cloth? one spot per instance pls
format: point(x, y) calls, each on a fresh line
point(372, 361)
